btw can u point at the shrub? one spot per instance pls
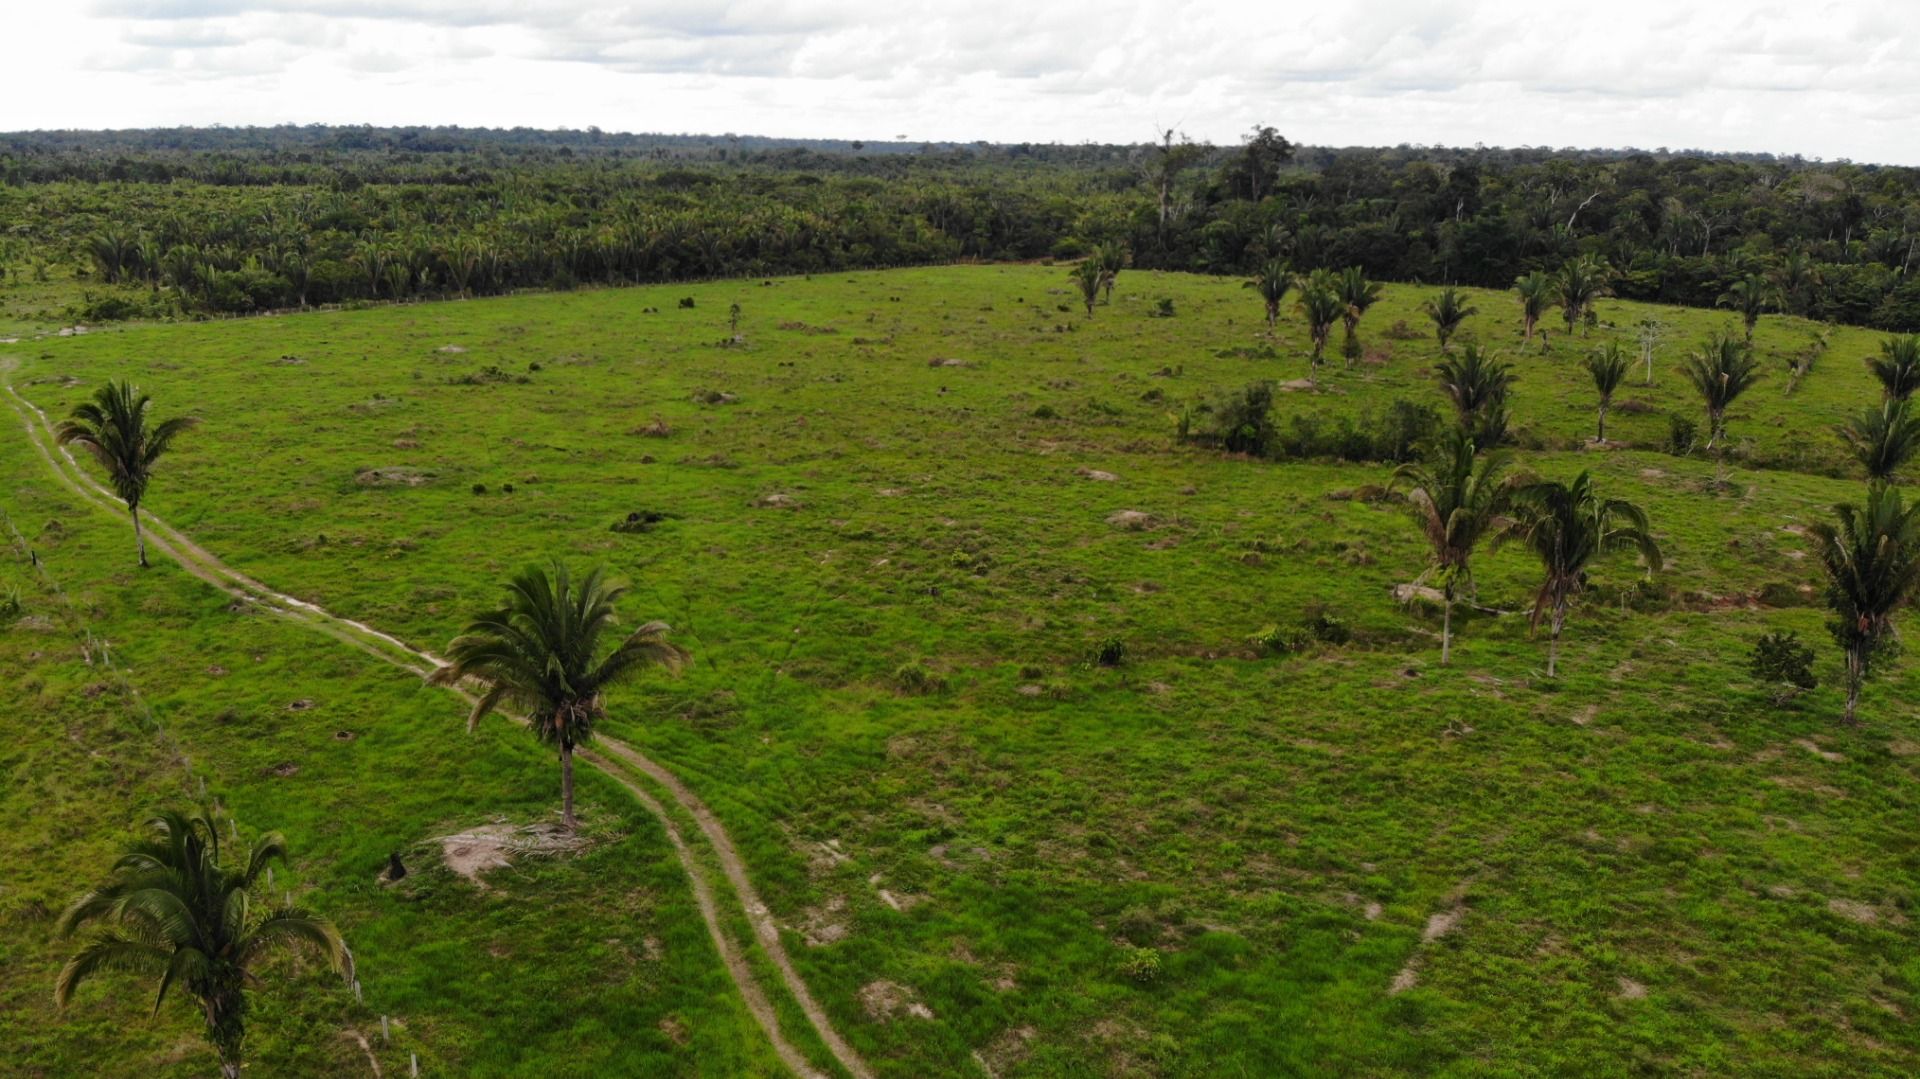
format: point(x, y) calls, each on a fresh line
point(11, 607)
point(1045, 412)
point(1238, 421)
point(1327, 629)
point(1140, 964)
point(1395, 436)
point(1783, 661)
point(1163, 307)
point(479, 488)
point(686, 302)
point(1682, 434)
point(1111, 652)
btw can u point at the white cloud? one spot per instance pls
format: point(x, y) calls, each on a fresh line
point(1821, 78)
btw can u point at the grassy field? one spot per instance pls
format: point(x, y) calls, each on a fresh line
point(885, 535)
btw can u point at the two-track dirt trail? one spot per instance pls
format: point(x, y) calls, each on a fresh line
point(627, 766)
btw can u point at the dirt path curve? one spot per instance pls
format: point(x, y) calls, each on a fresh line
point(624, 763)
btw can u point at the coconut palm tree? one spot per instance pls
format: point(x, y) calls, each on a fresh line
point(172, 908)
point(1320, 303)
point(1537, 293)
point(1581, 282)
point(540, 655)
point(1872, 561)
point(1477, 385)
point(1455, 504)
point(1356, 295)
point(1882, 439)
point(1272, 281)
point(1721, 371)
point(1752, 296)
point(114, 429)
point(1567, 527)
point(1608, 367)
point(1089, 275)
point(1897, 367)
point(1448, 310)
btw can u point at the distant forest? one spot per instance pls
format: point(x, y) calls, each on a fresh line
point(222, 220)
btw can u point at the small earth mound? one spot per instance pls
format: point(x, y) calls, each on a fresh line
point(451, 349)
point(1132, 520)
point(393, 477)
point(947, 361)
point(1632, 990)
point(301, 705)
point(1095, 474)
point(777, 501)
point(285, 769)
point(885, 1001)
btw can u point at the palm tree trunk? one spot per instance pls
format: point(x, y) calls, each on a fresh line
point(566, 787)
point(139, 537)
point(1603, 423)
point(1446, 630)
point(1553, 641)
point(1855, 675)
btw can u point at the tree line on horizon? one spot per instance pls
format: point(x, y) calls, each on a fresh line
point(255, 220)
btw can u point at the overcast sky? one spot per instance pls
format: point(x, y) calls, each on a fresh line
point(1824, 79)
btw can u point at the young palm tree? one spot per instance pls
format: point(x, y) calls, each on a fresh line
point(1581, 282)
point(1113, 259)
point(1448, 310)
point(1797, 277)
point(1537, 293)
point(1320, 303)
point(1752, 296)
point(1567, 527)
point(1477, 385)
point(1897, 367)
point(1721, 371)
point(1454, 504)
point(1356, 295)
point(1089, 275)
point(114, 429)
point(1272, 281)
point(1872, 561)
point(539, 655)
point(1608, 366)
point(173, 909)
point(1882, 439)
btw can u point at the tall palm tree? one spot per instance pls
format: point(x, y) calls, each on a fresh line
point(1872, 560)
point(1568, 526)
point(172, 908)
point(1320, 302)
point(1089, 275)
point(1455, 504)
point(540, 655)
point(114, 429)
point(1722, 370)
point(1752, 296)
point(1537, 293)
point(1477, 385)
point(1448, 310)
point(1882, 439)
point(1272, 281)
point(1608, 367)
point(1581, 282)
point(1356, 295)
point(1897, 367)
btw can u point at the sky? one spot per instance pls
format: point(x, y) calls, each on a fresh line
point(1823, 79)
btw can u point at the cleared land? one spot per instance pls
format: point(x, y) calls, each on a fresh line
point(893, 571)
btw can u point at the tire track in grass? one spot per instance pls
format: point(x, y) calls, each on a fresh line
point(627, 766)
